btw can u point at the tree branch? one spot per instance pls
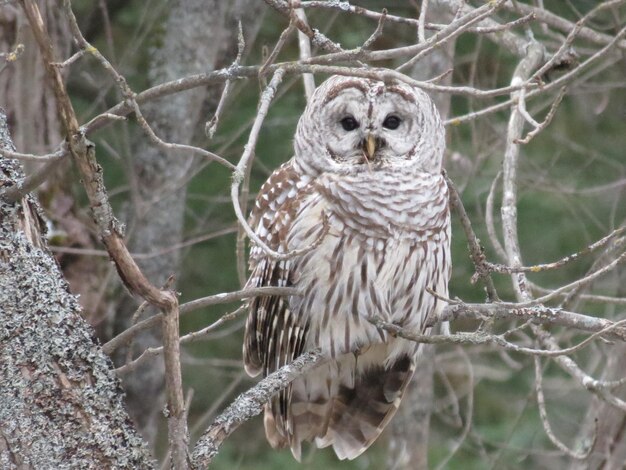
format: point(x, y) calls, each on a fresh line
point(249, 404)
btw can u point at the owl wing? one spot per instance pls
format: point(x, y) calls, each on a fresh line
point(273, 336)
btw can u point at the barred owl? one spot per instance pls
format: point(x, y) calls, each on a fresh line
point(364, 192)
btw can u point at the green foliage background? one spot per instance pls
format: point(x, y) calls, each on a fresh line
point(583, 148)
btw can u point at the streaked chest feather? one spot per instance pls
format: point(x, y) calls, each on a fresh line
point(386, 205)
point(377, 259)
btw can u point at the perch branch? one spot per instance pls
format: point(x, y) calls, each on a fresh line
point(249, 404)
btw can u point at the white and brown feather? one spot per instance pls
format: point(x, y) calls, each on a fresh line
point(388, 240)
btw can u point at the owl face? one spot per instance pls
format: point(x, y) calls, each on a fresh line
point(353, 125)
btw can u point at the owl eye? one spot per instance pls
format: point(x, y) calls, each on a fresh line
point(392, 122)
point(349, 123)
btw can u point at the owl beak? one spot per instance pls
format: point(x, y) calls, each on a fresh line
point(370, 146)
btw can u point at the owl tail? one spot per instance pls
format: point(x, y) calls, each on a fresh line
point(345, 403)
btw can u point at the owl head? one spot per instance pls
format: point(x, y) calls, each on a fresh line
point(353, 125)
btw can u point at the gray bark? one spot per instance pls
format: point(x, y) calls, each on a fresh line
point(199, 35)
point(408, 443)
point(602, 420)
point(24, 92)
point(28, 100)
point(60, 403)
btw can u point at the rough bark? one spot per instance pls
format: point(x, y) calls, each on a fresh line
point(408, 443)
point(60, 403)
point(602, 421)
point(24, 93)
point(199, 36)
point(29, 100)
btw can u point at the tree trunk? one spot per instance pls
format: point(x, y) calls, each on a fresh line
point(31, 111)
point(604, 425)
point(60, 402)
point(199, 36)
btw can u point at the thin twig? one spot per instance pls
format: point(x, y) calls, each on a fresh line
point(30, 183)
point(168, 146)
point(491, 228)
point(562, 80)
point(579, 282)
point(277, 48)
point(502, 269)
point(378, 32)
point(28, 157)
point(188, 338)
point(452, 31)
point(71, 60)
point(211, 126)
point(475, 249)
point(125, 336)
point(244, 162)
point(546, 122)
point(561, 23)
point(468, 414)
point(479, 337)
point(546, 424)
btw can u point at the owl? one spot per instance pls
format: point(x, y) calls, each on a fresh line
point(365, 205)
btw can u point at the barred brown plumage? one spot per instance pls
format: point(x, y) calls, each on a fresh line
point(381, 194)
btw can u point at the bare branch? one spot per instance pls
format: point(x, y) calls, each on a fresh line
point(224, 298)
point(501, 269)
point(564, 79)
point(491, 228)
point(30, 183)
point(211, 126)
point(562, 24)
point(27, 157)
point(167, 146)
point(544, 418)
point(317, 38)
point(277, 48)
point(579, 282)
point(509, 172)
point(188, 338)
point(421, 22)
point(546, 122)
point(246, 157)
point(177, 417)
point(539, 315)
point(377, 32)
point(479, 337)
point(244, 162)
point(249, 404)
point(438, 39)
point(515, 44)
point(305, 53)
point(476, 250)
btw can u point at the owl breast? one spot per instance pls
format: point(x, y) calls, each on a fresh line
point(388, 240)
point(383, 205)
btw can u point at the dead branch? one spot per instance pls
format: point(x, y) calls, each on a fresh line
point(249, 404)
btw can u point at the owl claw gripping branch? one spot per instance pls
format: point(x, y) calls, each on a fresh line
point(368, 159)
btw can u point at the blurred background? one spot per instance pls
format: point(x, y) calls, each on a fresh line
point(472, 407)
